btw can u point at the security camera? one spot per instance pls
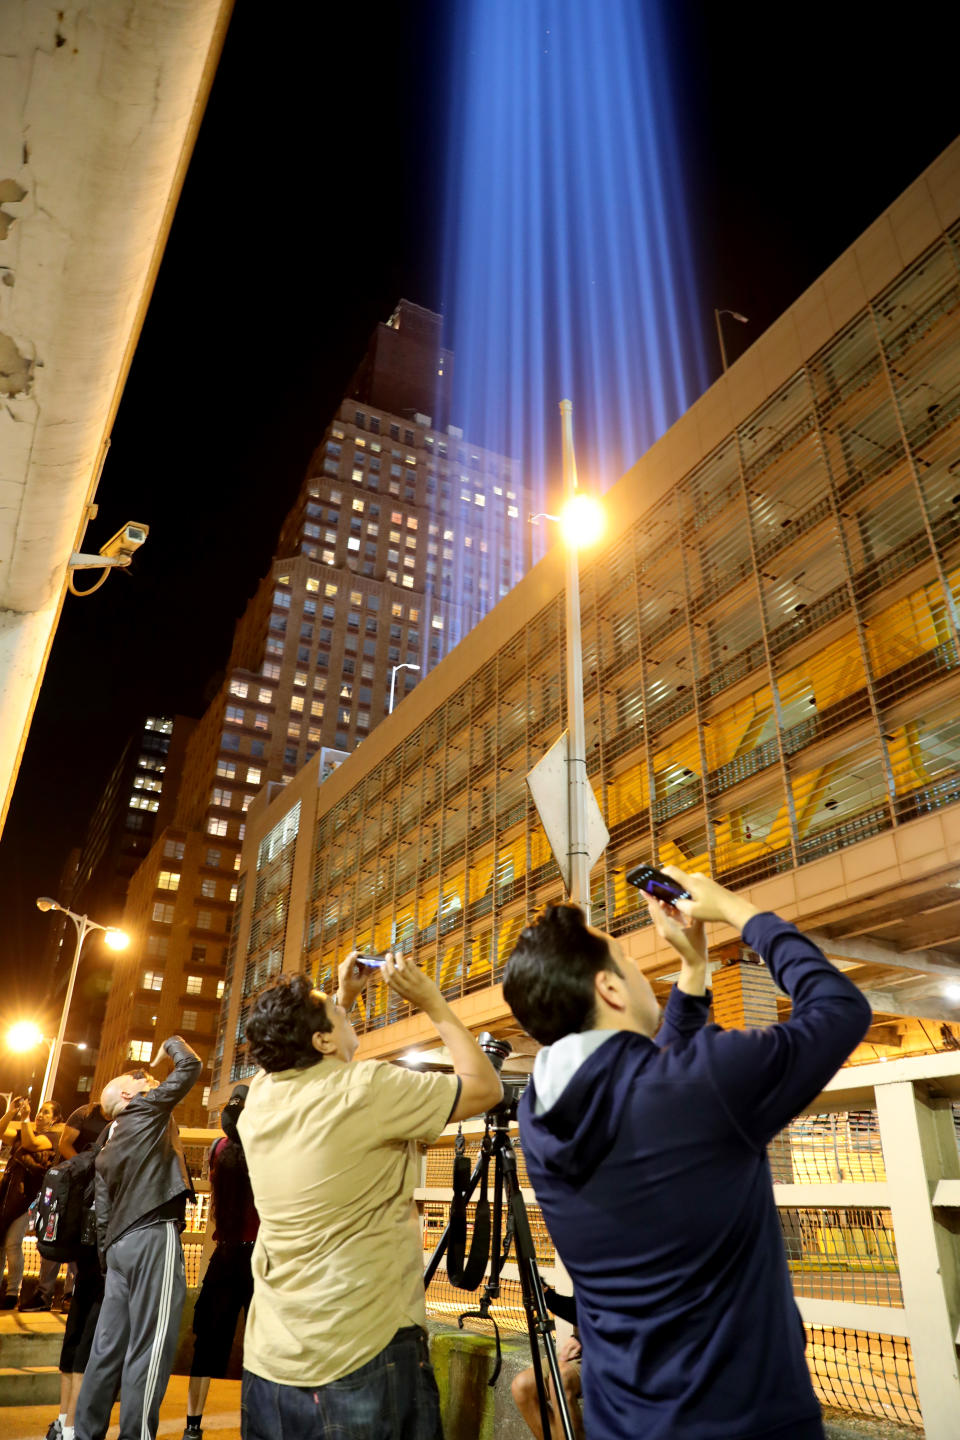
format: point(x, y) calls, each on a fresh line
point(122, 546)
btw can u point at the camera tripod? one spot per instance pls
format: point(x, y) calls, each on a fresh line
point(507, 1197)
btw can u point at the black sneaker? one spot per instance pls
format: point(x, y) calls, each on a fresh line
point(193, 1432)
point(36, 1304)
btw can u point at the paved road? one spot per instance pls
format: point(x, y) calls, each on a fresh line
point(221, 1420)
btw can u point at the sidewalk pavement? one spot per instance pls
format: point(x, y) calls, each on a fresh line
point(221, 1418)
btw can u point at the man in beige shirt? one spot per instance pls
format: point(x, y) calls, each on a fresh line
point(335, 1342)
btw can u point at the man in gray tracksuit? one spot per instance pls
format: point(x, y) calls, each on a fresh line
point(142, 1185)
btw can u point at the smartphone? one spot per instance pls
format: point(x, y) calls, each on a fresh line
point(373, 962)
point(654, 882)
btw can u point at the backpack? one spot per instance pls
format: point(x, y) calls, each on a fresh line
point(64, 1219)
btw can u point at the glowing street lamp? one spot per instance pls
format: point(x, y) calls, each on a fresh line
point(24, 1036)
point(582, 521)
point(734, 315)
point(393, 680)
point(116, 939)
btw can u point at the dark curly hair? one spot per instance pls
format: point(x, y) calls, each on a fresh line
point(281, 1025)
point(548, 982)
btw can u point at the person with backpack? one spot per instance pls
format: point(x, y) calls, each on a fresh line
point(30, 1155)
point(142, 1185)
point(69, 1184)
point(228, 1283)
point(82, 1128)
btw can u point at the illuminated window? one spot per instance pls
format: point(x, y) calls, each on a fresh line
point(162, 913)
point(220, 983)
point(173, 848)
point(235, 714)
point(414, 615)
point(233, 894)
point(152, 980)
point(407, 582)
point(353, 542)
point(168, 880)
point(316, 708)
point(216, 826)
point(320, 682)
point(293, 730)
point(194, 984)
point(411, 542)
point(300, 678)
point(221, 797)
point(139, 1050)
point(313, 585)
point(328, 557)
point(512, 511)
point(239, 687)
point(189, 1019)
point(142, 802)
point(253, 775)
point(313, 736)
point(437, 622)
point(262, 722)
point(236, 861)
point(357, 475)
point(296, 703)
point(358, 504)
point(396, 609)
point(271, 670)
point(208, 888)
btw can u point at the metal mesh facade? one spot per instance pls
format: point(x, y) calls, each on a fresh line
point(792, 599)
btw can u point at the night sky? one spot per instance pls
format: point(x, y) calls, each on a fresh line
point(313, 203)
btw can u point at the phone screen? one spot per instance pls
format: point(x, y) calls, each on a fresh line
point(373, 962)
point(653, 882)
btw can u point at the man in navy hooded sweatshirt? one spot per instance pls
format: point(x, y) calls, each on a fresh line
point(648, 1158)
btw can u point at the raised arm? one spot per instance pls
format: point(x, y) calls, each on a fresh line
point(480, 1087)
point(187, 1067)
point(767, 1076)
point(688, 1003)
point(11, 1114)
point(30, 1140)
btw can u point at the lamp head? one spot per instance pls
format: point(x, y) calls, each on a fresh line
point(23, 1036)
point(116, 939)
point(743, 319)
point(45, 903)
point(582, 521)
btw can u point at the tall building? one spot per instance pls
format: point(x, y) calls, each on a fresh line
point(95, 883)
point(402, 537)
point(772, 658)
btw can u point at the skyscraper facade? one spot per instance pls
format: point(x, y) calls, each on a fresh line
point(402, 536)
point(118, 838)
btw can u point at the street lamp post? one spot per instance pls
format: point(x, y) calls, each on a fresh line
point(116, 939)
point(393, 680)
point(576, 725)
point(734, 315)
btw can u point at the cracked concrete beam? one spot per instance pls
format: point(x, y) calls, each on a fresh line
point(16, 370)
point(99, 109)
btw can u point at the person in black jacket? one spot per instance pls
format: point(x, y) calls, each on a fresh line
point(142, 1185)
point(649, 1163)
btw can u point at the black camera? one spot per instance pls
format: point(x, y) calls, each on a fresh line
point(513, 1086)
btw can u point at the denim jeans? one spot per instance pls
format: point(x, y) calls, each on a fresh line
point(392, 1397)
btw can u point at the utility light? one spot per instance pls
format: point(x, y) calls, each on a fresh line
point(23, 1036)
point(582, 521)
point(116, 939)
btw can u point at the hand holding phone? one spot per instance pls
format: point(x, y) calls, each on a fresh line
point(654, 882)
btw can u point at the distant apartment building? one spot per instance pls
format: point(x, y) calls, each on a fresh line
point(771, 636)
point(95, 883)
point(402, 537)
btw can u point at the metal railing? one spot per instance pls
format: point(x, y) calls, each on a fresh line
point(867, 1183)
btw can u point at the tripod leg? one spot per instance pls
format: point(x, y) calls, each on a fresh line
point(539, 1321)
